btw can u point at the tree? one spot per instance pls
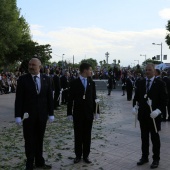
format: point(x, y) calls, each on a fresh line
point(101, 63)
point(10, 28)
point(151, 61)
point(167, 38)
point(91, 61)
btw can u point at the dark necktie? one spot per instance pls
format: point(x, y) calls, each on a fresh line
point(36, 84)
point(148, 86)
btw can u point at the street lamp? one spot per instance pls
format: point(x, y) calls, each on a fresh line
point(137, 61)
point(161, 48)
point(145, 57)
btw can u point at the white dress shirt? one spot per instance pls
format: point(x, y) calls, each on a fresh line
point(151, 81)
point(84, 81)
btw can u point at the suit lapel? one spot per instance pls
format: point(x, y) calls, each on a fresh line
point(88, 85)
point(42, 84)
point(152, 86)
point(81, 84)
point(32, 84)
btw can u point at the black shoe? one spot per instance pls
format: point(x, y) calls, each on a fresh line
point(142, 161)
point(154, 164)
point(44, 166)
point(123, 94)
point(77, 160)
point(28, 168)
point(87, 160)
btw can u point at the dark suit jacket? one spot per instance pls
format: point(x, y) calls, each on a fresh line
point(27, 99)
point(158, 95)
point(64, 82)
point(129, 84)
point(77, 106)
point(56, 81)
point(167, 82)
point(110, 83)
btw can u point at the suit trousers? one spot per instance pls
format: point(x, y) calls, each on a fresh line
point(33, 135)
point(56, 99)
point(146, 129)
point(129, 94)
point(65, 96)
point(82, 136)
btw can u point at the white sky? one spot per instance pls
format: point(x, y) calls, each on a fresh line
point(90, 28)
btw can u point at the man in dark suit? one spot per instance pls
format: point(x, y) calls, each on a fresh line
point(129, 87)
point(64, 80)
point(167, 82)
point(57, 89)
point(81, 108)
point(34, 96)
point(154, 89)
point(110, 85)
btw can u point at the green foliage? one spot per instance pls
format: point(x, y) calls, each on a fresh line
point(10, 27)
point(91, 61)
point(167, 38)
point(15, 39)
point(151, 61)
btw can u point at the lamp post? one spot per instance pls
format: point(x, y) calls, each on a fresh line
point(107, 56)
point(161, 48)
point(145, 57)
point(137, 61)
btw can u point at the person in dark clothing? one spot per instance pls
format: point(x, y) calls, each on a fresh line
point(81, 108)
point(57, 89)
point(34, 96)
point(129, 87)
point(64, 81)
point(154, 89)
point(123, 84)
point(166, 112)
point(157, 74)
point(110, 85)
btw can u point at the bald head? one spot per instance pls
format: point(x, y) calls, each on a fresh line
point(34, 66)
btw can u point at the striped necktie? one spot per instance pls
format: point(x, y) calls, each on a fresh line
point(148, 86)
point(36, 84)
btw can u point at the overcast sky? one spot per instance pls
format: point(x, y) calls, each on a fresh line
point(90, 28)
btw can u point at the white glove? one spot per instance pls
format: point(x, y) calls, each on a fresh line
point(97, 100)
point(51, 119)
point(18, 121)
point(155, 113)
point(135, 110)
point(70, 118)
point(149, 102)
point(96, 116)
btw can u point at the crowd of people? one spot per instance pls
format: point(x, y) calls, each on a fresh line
point(8, 82)
point(40, 94)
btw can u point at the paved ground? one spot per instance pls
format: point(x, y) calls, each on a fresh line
point(115, 140)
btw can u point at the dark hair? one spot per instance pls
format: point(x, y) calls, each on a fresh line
point(84, 66)
point(57, 72)
point(158, 71)
point(164, 74)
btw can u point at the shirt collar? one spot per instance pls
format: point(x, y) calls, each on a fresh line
point(38, 75)
point(82, 78)
point(152, 79)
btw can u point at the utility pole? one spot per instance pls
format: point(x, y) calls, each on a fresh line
point(73, 61)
